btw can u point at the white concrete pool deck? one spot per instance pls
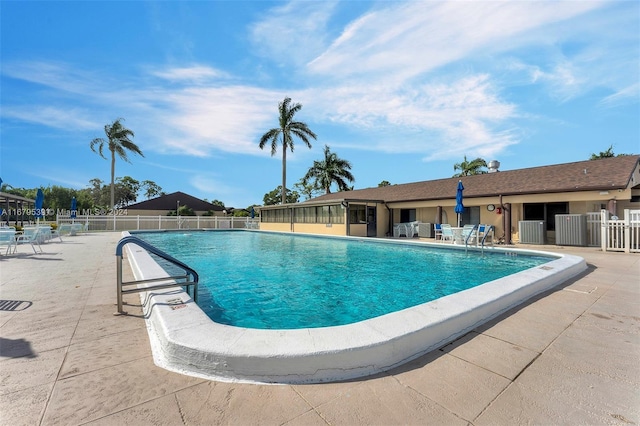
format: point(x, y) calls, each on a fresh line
point(569, 356)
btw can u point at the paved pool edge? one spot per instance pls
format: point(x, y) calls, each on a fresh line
point(185, 340)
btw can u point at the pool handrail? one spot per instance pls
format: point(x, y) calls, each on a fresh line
point(190, 276)
point(477, 229)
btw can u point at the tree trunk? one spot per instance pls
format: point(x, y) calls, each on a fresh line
point(284, 172)
point(113, 173)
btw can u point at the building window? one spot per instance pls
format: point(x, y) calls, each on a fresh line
point(471, 216)
point(357, 214)
point(545, 211)
point(407, 215)
point(316, 214)
point(336, 214)
point(276, 216)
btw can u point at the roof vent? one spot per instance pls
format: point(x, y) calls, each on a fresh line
point(493, 166)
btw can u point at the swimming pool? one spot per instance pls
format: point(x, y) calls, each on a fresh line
point(284, 281)
point(185, 340)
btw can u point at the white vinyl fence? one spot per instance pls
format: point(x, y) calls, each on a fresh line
point(130, 223)
point(621, 234)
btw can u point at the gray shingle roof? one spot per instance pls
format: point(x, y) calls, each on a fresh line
point(170, 202)
point(592, 175)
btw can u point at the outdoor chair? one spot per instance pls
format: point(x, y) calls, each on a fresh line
point(485, 234)
point(437, 228)
point(8, 238)
point(469, 234)
point(447, 233)
point(30, 236)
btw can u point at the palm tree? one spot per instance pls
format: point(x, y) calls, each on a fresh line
point(118, 142)
point(288, 128)
point(330, 170)
point(472, 167)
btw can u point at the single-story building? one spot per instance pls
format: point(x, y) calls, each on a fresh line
point(498, 198)
point(169, 203)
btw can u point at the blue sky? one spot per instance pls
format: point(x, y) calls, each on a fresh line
point(403, 90)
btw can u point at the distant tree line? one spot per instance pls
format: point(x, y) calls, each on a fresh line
point(97, 196)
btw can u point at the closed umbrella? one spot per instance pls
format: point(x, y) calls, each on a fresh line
point(253, 213)
point(39, 203)
point(74, 208)
point(459, 206)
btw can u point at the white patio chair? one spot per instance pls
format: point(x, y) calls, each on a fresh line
point(8, 238)
point(31, 236)
point(447, 233)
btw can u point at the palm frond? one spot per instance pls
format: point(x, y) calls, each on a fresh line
point(99, 142)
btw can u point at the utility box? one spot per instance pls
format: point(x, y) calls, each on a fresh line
point(532, 231)
point(425, 230)
point(571, 230)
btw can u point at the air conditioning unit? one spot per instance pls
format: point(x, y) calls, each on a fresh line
point(532, 231)
point(571, 230)
point(425, 230)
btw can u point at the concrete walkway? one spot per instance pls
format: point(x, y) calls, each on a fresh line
point(571, 356)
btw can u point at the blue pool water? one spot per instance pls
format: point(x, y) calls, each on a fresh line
point(283, 281)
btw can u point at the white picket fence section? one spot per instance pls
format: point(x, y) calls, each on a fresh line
point(129, 223)
point(621, 235)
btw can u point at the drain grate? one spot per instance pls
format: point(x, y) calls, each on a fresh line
point(14, 305)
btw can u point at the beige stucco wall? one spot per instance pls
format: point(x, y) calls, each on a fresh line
point(320, 228)
point(307, 228)
point(278, 227)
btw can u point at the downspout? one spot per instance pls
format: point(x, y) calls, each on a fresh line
point(291, 228)
point(345, 204)
point(506, 221)
point(390, 224)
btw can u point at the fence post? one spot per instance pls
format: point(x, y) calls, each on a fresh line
point(604, 234)
point(627, 231)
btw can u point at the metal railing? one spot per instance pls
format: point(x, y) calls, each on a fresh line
point(190, 276)
point(475, 234)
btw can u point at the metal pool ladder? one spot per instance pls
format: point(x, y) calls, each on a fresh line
point(488, 229)
point(188, 279)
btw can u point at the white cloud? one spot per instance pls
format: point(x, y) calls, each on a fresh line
point(195, 73)
point(197, 120)
point(627, 94)
point(403, 40)
point(294, 32)
point(463, 114)
point(60, 118)
point(427, 76)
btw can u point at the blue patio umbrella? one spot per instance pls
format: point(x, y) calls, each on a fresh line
point(253, 213)
point(74, 209)
point(39, 203)
point(459, 206)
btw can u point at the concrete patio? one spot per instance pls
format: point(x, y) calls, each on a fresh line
point(571, 356)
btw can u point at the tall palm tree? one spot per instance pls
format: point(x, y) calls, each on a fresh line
point(288, 128)
point(473, 167)
point(118, 141)
point(330, 170)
